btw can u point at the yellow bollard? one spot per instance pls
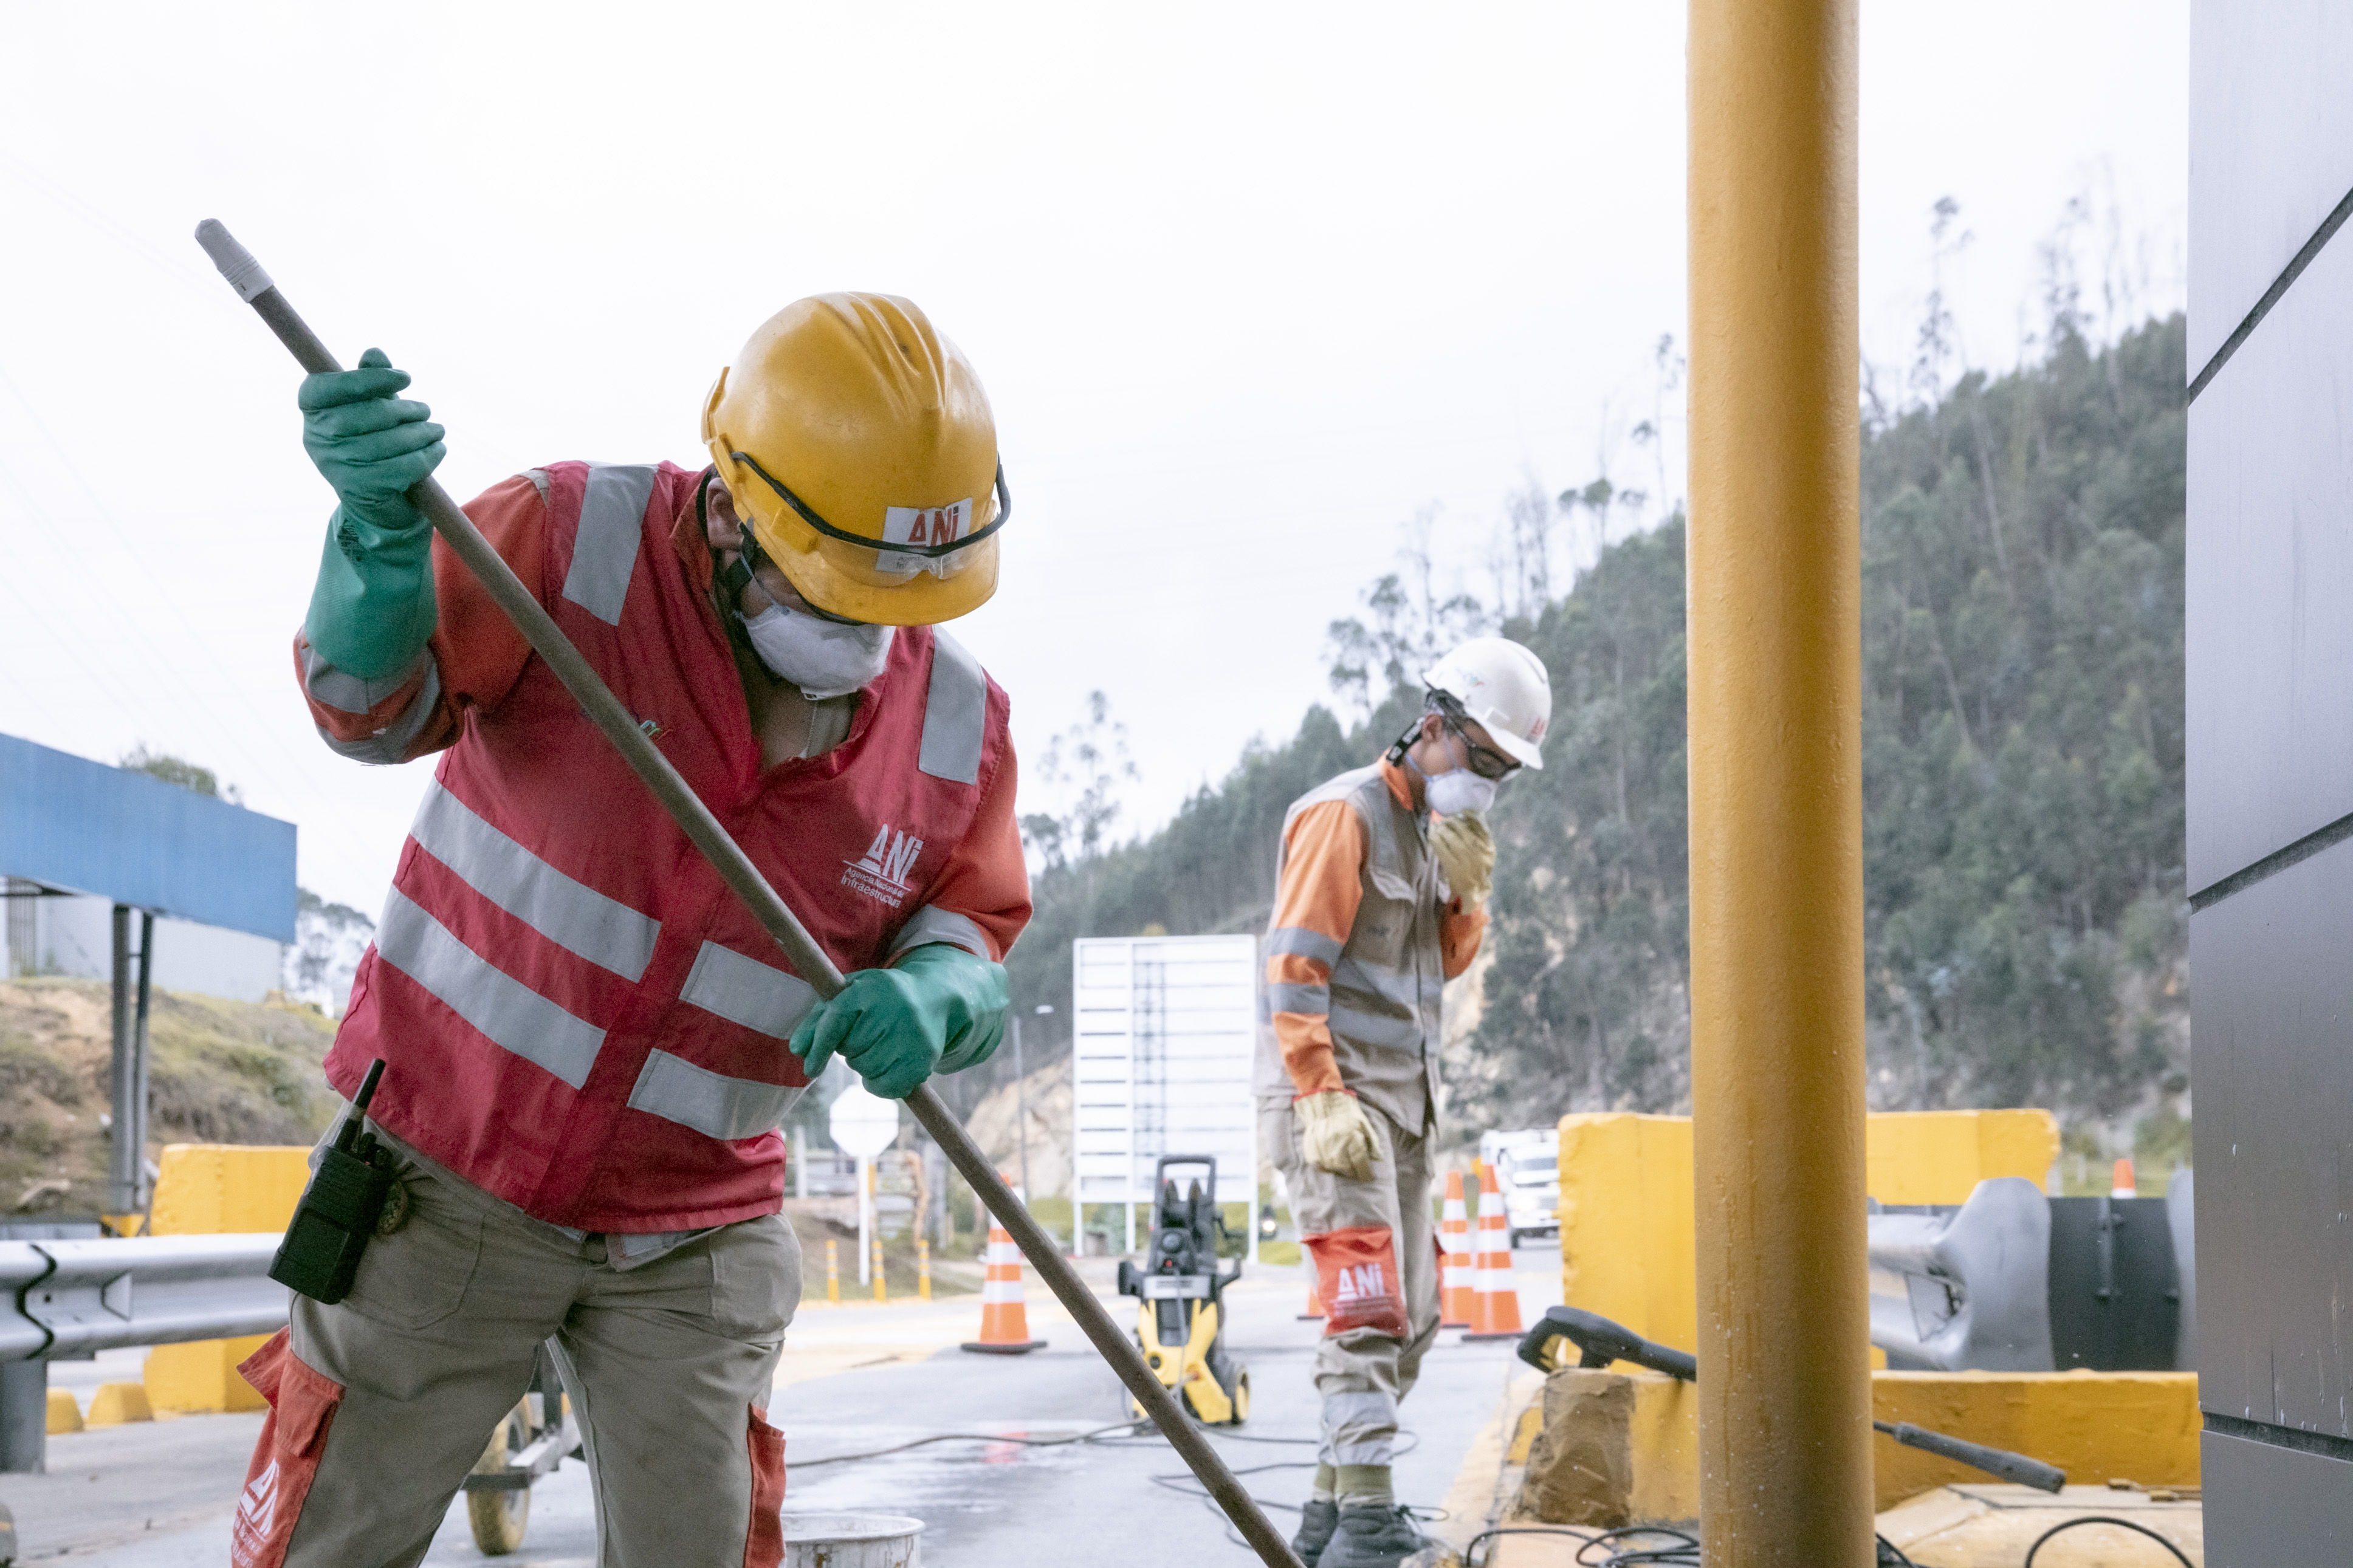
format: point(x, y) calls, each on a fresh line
point(923, 1269)
point(880, 1293)
point(116, 1403)
point(833, 1270)
point(1774, 659)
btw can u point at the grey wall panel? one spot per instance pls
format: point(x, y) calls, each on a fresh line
point(2270, 581)
point(2271, 147)
point(2273, 1508)
point(2271, 1011)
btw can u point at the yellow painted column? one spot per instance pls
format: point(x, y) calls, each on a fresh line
point(1776, 792)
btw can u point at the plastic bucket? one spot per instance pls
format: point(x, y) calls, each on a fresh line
point(853, 1541)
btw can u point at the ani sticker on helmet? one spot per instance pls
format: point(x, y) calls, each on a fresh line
point(923, 525)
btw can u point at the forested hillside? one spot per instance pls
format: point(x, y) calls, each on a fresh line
point(2022, 746)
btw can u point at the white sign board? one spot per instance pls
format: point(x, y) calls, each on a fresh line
point(1164, 1028)
point(862, 1124)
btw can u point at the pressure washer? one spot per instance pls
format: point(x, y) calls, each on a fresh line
point(1180, 1327)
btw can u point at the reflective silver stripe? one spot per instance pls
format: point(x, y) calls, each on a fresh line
point(604, 546)
point(348, 693)
point(1391, 986)
point(745, 991)
point(712, 1103)
point(571, 914)
point(956, 713)
point(1375, 1028)
point(1282, 997)
point(929, 924)
point(390, 744)
point(1302, 942)
point(503, 1008)
point(1359, 1428)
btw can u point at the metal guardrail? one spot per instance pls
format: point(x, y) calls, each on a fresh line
point(1976, 1282)
point(66, 1299)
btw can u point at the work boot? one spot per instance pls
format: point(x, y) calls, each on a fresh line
point(1373, 1537)
point(1317, 1521)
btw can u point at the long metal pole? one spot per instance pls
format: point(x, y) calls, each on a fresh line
point(122, 1122)
point(809, 961)
point(1020, 1107)
point(1776, 793)
point(139, 1098)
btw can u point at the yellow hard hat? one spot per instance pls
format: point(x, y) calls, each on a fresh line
point(858, 444)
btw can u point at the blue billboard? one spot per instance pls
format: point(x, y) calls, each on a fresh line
point(68, 822)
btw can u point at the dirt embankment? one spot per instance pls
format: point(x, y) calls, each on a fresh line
point(219, 1072)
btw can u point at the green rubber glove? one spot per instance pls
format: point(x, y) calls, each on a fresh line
point(938, 1009)
point(373, 609)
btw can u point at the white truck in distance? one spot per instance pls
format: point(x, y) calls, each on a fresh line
point(1527, 1170)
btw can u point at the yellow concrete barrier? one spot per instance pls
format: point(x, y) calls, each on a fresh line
point(116, 1403)
point(2098, 1426)
point(1940, 1157)
point(1627, 1241)
point(2140, 1426)
point(210, 1189)
point(64, 1416)
point(200, 1377)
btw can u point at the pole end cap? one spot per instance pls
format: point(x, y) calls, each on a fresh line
point(236, 262)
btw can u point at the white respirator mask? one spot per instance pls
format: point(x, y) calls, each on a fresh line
point(824, 659)
point(1456, 791)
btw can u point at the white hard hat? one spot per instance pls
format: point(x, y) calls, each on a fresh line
point(1504, 687)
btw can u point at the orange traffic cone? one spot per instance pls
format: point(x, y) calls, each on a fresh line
point(1004, 1320)
point(1456, 1295)
point(1314, 1313)
point(1495, 1305)
point(2124, 1185)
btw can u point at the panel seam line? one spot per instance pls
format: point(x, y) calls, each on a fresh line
point(2326, 1445)
point(2272, 296)
point(2273, 864)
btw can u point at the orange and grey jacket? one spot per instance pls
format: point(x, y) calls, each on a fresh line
point(1363, 938)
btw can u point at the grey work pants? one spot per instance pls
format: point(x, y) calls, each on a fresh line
point(383, 1403)
point(1363, 1371)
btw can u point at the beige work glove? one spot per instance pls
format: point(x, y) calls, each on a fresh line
point(1466, 853)
point(1334, 1135)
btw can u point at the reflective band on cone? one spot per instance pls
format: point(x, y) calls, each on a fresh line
point(1004, 1320)
point(1458, 1296)
point(1495, 1304)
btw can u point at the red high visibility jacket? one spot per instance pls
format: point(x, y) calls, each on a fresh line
point(574, 1011)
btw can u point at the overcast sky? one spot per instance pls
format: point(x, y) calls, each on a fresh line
point(1248, 287)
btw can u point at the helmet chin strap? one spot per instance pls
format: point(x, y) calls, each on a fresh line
point(731, 577)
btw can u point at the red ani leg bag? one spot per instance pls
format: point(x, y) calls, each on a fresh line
point(302, 1406)
point(1356, 1274)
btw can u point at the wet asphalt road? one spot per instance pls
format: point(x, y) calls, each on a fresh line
point(862, 1378)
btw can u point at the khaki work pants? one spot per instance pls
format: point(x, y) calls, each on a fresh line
point(383, 1403)
point(1362, 1372)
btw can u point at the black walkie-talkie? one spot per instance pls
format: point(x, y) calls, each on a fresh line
point(339, 1210)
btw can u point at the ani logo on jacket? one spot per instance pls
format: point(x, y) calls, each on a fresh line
point(882, 872)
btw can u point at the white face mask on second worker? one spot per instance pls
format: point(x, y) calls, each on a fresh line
point(824, 659)
point(1458, 789)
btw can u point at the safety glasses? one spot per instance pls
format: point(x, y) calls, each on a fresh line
point(1488, 764)
point(883, 546)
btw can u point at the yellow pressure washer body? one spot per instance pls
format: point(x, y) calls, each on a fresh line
point(1180, 1323)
